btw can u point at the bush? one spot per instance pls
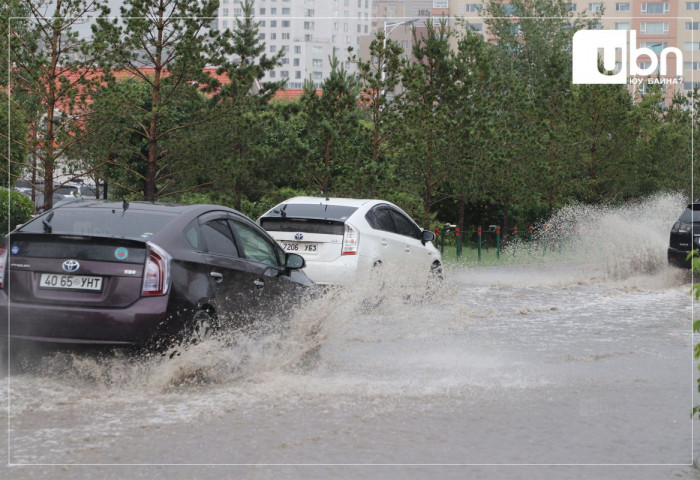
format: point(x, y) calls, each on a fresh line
point(19, 210)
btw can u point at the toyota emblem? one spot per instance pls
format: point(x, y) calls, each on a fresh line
point(71, 265)
point(298, 236)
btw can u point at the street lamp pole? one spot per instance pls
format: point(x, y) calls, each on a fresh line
point(388, 28)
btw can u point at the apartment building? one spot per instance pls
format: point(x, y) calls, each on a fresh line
point(658, 25)
point(308, 31)
point(398, 18)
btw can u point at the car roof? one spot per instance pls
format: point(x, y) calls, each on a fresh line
point(348, 202)
point(142, 206)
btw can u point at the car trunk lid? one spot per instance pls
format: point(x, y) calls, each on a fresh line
point(75, 270)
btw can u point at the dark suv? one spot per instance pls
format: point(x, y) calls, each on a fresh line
point(685, 236)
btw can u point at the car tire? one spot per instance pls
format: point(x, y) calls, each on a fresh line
point(202, 325)
point(436, 274)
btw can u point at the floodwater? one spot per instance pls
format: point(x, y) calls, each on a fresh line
point(566, 365)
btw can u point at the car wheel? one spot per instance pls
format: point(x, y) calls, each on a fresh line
point(436, 272)
point(203, 325)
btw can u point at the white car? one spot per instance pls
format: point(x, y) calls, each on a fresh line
point(344, 239)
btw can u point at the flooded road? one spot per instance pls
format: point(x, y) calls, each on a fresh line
point(574, 365)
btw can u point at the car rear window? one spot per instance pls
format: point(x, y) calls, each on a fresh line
point(302, 225)
point(101, 222)
point(691, 216)
point(105, 250)
point(312, 211)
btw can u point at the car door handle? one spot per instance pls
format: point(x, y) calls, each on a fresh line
point(259, 283)
point(407, 249)
point(217, 276)
point(384, 243)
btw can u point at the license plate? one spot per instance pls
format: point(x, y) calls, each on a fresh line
point(70, 282)
point(301, 248)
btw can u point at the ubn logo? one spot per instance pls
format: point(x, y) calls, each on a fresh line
point(588, 43)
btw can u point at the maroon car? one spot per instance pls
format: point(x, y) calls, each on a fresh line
point(92, 272)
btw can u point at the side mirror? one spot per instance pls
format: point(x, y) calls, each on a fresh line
point(428, 236)
point(294, 261)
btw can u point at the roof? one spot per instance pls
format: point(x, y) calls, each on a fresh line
point(140, 206)
point(349, 202)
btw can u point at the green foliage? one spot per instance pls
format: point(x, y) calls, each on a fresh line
point(46, 52)
point(459, 129)
point(15, 209)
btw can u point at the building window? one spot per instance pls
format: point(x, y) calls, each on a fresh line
point(476, 27)
point(308, 25)
point(692, 25)
point(695, 66)
point(571, 7)
point(645, 65)
point(262, 11)
point(509, 9)
point(286, 11)
point(285, 23)
point(692, 46)
point(622, 7)
point(655, 8)
point(284, 73)
point(317, 75)
point(273, 74)
point(273, 36)
point(308, 37)
point(297, 48)
point(285, 61)
point(273, 23)
point(297, 74)
point(472, 8)
point(440, 4)
point(285, 36)
point(309, 13)
point(654, 27)
point(273, 11)
point(317, 62)
point(692, 5)
point(261, 36)
point(655, 47)
point(273, 48)
point(691, 85)
point(622, 25)
point(296, 62)
point(595, 7)
point(237, 12)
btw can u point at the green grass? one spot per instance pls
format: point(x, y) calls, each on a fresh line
point(524, 253)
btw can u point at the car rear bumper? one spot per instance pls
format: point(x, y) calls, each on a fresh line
point(343, 270)
point(678, 258)
point(137, 324)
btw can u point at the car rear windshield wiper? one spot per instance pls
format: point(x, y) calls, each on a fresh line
point(47, 223)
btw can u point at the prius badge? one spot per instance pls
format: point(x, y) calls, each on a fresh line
point(71, 265)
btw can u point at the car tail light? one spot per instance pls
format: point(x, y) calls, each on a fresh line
point(3, 263)
point(351, 240)
point(680, 227)
point(156, 273)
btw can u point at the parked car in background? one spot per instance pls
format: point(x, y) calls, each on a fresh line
point(113, 273)
point(344, 239)
point(685, 236)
